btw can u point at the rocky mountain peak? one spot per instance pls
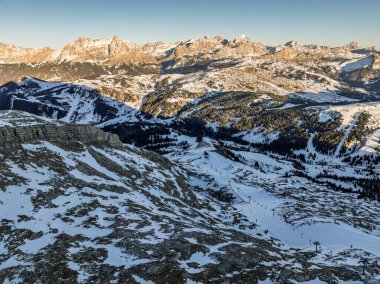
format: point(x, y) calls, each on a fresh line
point(352, 45)
point(116, 38)
point(292, 43)
point(113, 50)
point(115, 46)
point(15, 54)
point(82, 39)
point(242, 39)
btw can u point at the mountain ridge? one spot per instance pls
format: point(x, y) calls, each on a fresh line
point(115, 50)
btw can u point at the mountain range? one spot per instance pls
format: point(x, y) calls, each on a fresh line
point(209, 160)
point(116, 51)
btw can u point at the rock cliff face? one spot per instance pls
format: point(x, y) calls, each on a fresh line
point(14, 137)
point(110, 51)
point(15, 54)
point(219, 47)
point(17, 128)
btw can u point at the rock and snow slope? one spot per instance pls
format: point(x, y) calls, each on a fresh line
point(64, 101)
point(329, 123)
point(83, 209)
point(292, 209)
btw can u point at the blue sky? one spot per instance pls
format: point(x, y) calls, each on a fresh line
point(37, 23)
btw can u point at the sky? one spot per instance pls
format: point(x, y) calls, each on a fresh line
point(37, 23)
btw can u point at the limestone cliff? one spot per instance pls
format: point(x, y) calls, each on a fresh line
point(14, 137)
point(17, 128)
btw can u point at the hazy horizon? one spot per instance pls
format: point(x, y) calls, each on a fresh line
point(42, 23)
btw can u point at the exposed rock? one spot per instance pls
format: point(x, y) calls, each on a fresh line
point(12, 138)
point(15, 54)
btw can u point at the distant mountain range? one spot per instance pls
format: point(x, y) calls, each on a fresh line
point(116, 51)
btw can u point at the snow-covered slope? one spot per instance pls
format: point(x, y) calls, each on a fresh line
point(358, 64)
point(256, 114)
point(293, 209)
point(17, 119)
point(64, 101)
point(77, 211)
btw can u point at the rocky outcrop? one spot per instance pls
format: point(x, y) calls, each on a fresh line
point(15, 54)
point(109, 51)
point(219, 47)
point(13, 137)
